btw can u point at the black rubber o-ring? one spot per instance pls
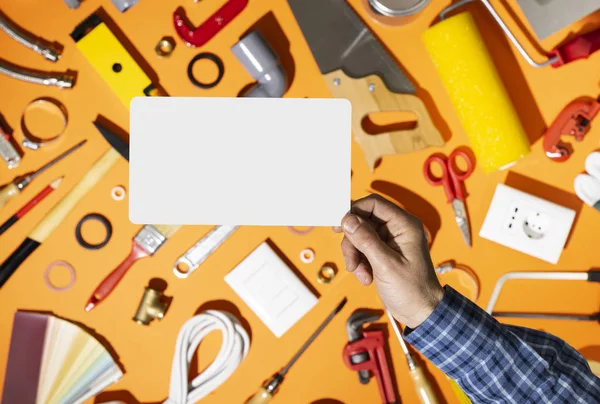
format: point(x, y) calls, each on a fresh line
point(212, 57)
point(107, 226)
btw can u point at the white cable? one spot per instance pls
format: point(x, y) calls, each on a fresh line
point(233, 351)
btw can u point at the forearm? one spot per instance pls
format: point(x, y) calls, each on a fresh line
point(498, 363)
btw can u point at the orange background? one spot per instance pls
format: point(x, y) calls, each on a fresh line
point(146, 352)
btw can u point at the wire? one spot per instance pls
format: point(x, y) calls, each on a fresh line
point(233, 351)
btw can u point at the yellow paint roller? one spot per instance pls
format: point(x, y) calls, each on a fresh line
point(476, 90)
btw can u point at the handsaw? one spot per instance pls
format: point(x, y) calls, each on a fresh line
point(357, 67)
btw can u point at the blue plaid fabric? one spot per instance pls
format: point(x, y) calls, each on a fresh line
point(496, 363)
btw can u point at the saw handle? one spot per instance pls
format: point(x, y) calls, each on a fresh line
point(580, 47)
point(369, 94)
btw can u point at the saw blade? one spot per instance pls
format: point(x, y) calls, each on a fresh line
point(339, 39)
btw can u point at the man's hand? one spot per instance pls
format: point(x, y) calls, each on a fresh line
point(388, 245)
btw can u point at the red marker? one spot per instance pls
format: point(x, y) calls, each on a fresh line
point(29, 205)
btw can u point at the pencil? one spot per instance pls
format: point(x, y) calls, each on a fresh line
point(30, 205)
point(55, 217)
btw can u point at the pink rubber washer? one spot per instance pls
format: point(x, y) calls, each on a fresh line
point(59, 264)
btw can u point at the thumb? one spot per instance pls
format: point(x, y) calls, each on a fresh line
point(364, 237)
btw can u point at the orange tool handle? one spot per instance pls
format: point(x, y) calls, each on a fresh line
point(112, 280)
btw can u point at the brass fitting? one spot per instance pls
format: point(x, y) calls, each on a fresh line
point(151, 307)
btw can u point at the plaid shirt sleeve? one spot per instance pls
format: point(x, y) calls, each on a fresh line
point(496, 363)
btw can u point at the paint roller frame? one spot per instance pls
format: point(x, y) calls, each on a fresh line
point(580, 47)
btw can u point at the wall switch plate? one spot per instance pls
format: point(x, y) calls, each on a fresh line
point(527, 224)
point(270, 288)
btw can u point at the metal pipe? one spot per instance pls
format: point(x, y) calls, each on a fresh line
point(62, 80)
point(262, 63)
point(557, 276)
point(35, 44)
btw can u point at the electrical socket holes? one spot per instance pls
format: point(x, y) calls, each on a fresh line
point(527, 224)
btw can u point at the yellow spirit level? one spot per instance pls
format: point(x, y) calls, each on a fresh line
point(111, 60)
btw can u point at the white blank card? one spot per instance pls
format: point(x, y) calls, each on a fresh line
point(239, 161)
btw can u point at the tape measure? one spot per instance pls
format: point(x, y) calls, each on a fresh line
point(111, 60)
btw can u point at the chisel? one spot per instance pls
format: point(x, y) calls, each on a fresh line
point(265, 393)
point(422, 384)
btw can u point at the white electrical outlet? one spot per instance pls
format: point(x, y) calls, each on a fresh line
point(527, 224)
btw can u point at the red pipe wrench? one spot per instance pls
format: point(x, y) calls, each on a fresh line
point(372, 343)
point(574, 120)
point(198, 36)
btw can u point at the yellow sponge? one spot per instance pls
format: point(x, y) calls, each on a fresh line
point(479, 97)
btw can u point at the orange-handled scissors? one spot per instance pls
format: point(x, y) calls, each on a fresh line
point(452, 180)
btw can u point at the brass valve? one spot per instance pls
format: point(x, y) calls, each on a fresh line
point(151, 307)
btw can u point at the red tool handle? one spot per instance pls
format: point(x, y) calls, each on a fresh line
point(452, 177)
point(459, 177)
point(112, 280)
point(203, 33)
point(574, 120)
point(444, 179)
point(580, 47)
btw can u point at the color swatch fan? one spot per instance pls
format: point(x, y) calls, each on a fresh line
point(53, 361)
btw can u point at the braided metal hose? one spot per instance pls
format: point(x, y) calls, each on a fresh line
point(62, 80)
point(28, 40)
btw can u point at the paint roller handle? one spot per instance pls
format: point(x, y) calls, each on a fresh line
point(580, 47)
point(112, 280)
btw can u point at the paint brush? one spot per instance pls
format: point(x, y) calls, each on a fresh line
point(30, 205)
point(145, 243)
point(55, 217)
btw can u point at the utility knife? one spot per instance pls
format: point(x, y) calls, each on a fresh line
point(356, 66)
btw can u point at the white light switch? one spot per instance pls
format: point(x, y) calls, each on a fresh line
point(270, 288)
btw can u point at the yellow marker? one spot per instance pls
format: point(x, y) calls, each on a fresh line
point(111, 60)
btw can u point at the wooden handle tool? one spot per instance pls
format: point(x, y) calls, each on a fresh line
point(369, 94)
point(20, 183)
point(55, 217)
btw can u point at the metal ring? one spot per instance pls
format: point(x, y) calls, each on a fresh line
point(61, 264)
point(165, 47)
point(325, 274)
point(98, 217)
point(32, 141)
point(307, 255)
point(212, 57)
point(118, 193)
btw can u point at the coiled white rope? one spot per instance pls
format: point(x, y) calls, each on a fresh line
point(233, 351)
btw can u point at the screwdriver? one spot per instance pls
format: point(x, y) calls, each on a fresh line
point(265, 393)
point(20, 183)
point(424, 389)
